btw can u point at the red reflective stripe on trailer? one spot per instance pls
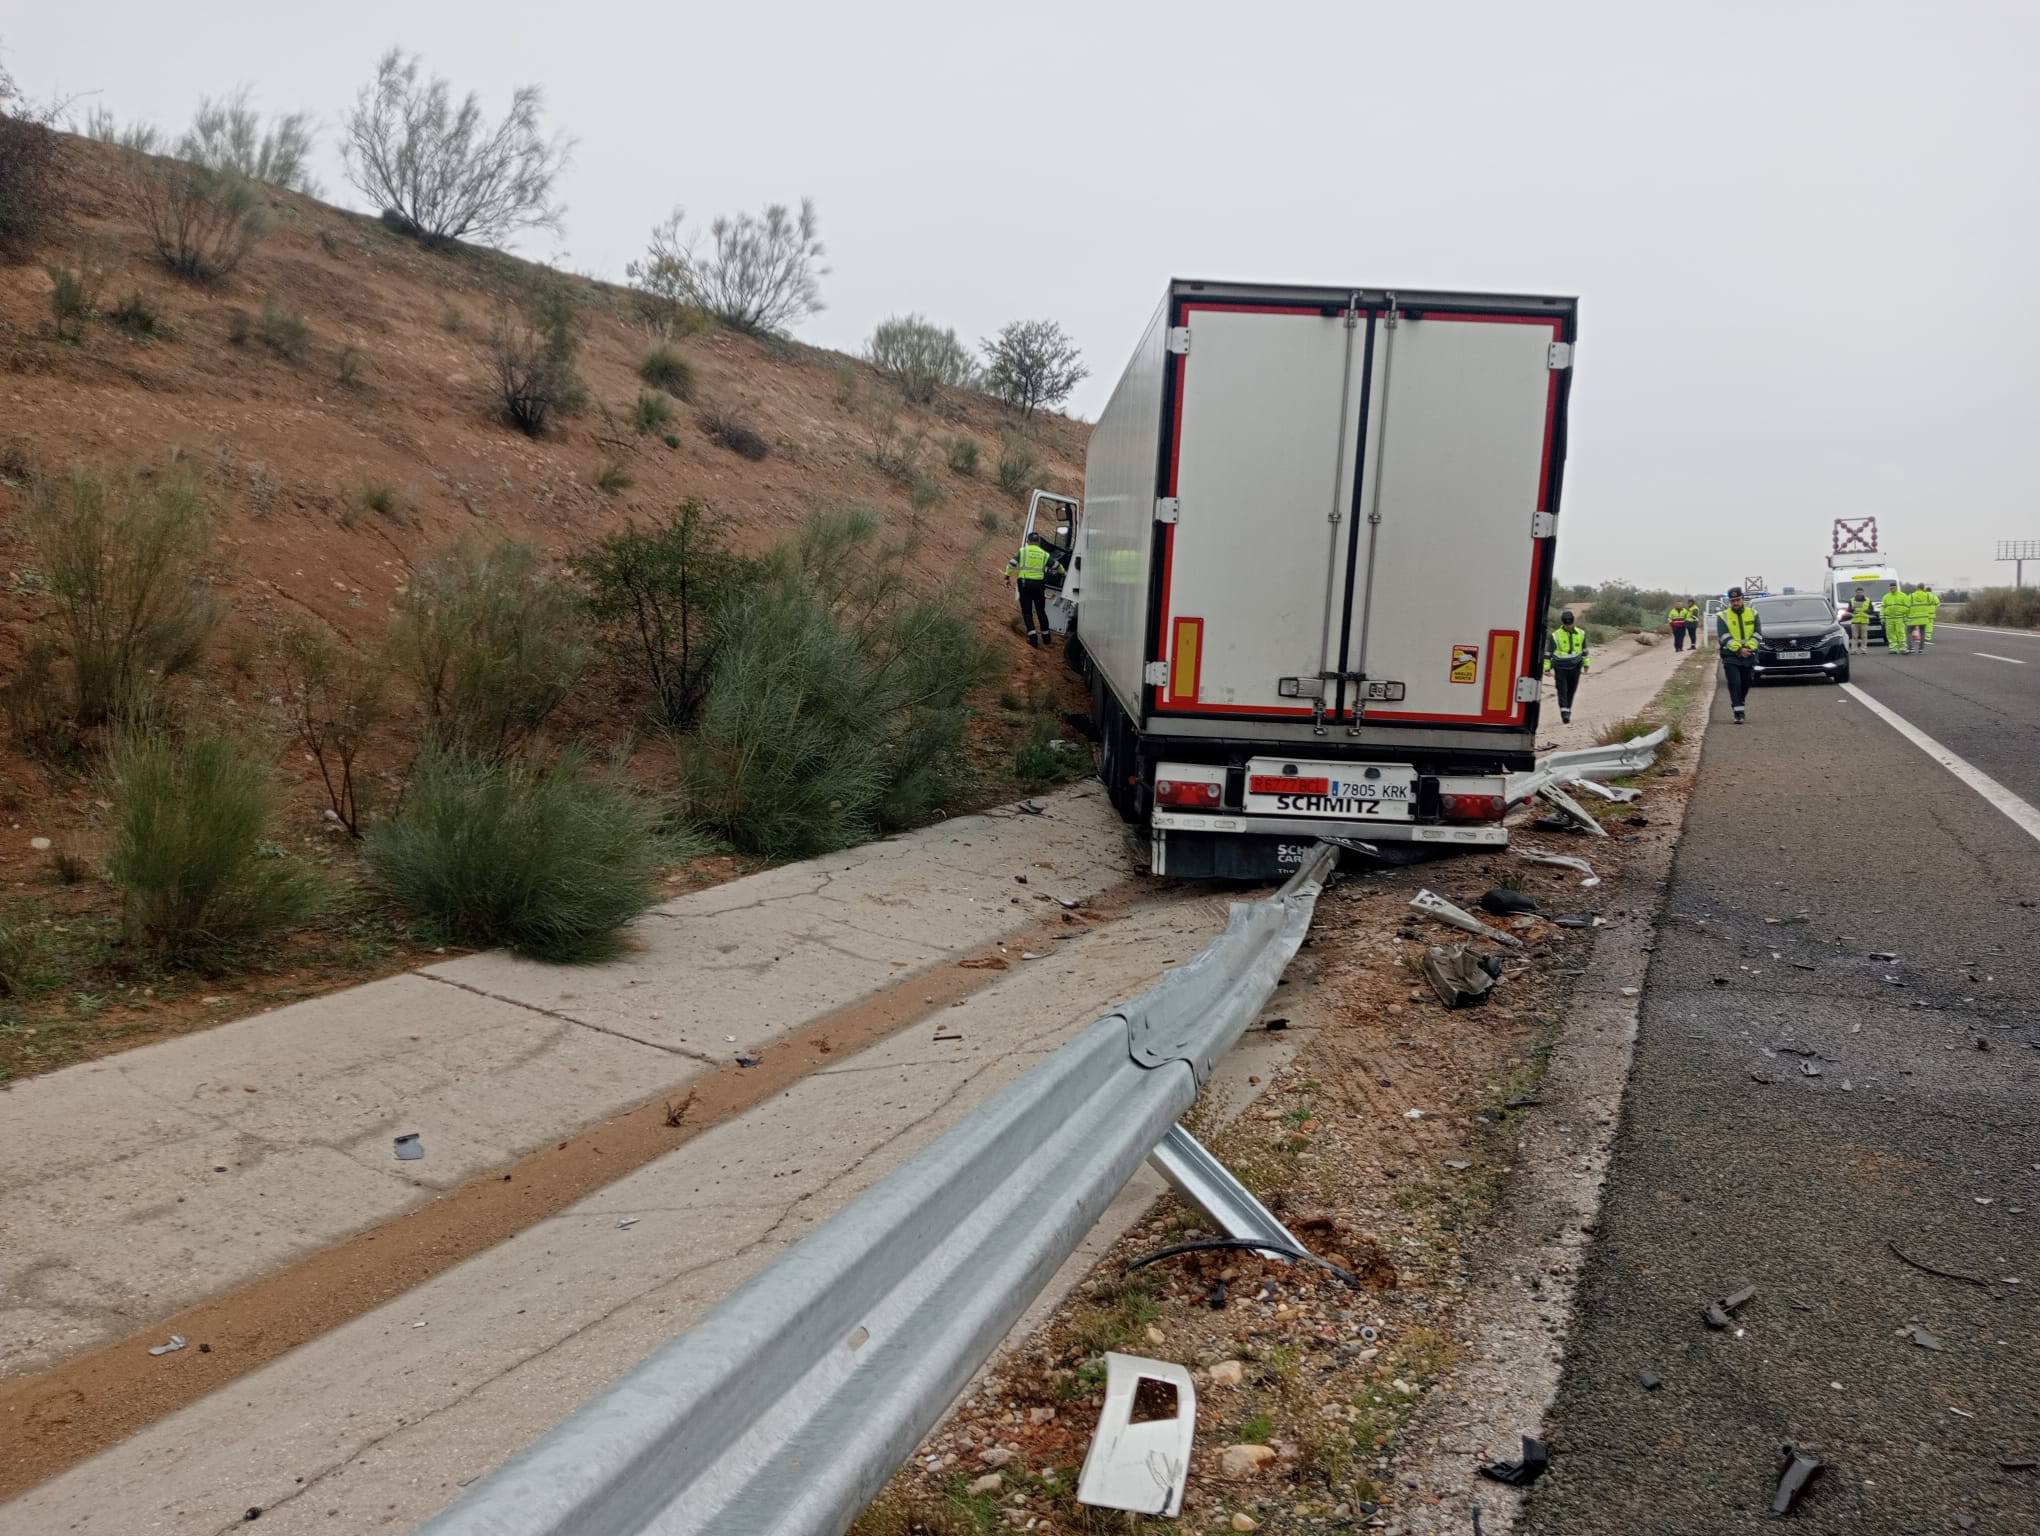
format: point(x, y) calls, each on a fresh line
point(1555, 324)
point(1276, 711)
point(1254, 309)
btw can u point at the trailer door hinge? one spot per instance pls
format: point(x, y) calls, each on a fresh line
point(1156, 674)
point(1179, 339)
point(1558, 355)
point(1527, 689)
point(1168, 509)
point(1543, 524)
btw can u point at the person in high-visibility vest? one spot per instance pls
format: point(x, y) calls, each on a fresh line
point(1032, 565)
point(1565, 658)
point(1920, 615)
point(1685, 622)
point(1859, 624)
point(1895, 610)
point(1738, 628)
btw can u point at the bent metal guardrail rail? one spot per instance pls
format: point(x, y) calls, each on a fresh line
point(1615, 760)
point(786, 1408)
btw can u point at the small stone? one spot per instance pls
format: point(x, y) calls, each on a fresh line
point(991, 1482)
point(1228, 1373)
point(997, 1456)
point(1156, 1336)
point(1244, 1460)
point(39, 844)
point(1041, 1415)
point(1245, 1523)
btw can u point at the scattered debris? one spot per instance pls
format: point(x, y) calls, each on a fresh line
point(749, 1061)
point(1720, 1314)
point(1276, 1025)
point(1521, 1101)
point(1506, 903)
point(1456, 1166)
point(674, 1112)
point(1141, 1467)
point(628, 1222)
point(1794, 1478)
point(1030, 808)
point(1560, 860)
point(1520, 1474)
point(2018, 1463)
point(1886, 956)
point(176, 1343)
point(410, 1148)
point(1924, 1339)
point(1457, 975)
point(1028, 954)
point(1019, 879)
point(1433, 905)
point(1945, 1274)
point(1808, 1069)
point(1574, 920)
point(1651, 1381)
point(1245, 1460)
point(940, 1038)
point(1581, 816)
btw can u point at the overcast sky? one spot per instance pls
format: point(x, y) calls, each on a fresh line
point(1803, 235)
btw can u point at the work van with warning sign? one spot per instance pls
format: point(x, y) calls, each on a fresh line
point(1309, 571)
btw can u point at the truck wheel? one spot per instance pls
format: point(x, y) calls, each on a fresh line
point(1075, 657)
point(1115, 763)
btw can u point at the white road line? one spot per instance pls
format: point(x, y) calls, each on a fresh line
point(1987, 656)
point(2022, 813)
point(1986, 629)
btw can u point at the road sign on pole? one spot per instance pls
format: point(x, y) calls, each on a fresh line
point(2018, 551)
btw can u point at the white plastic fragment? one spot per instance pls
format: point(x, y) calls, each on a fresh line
point(1623, 795)
point(1141, 1467)
point(1558, 860)
point(176, 1343)
point(628, 1222)
point(1586, 819)
point(1433, 905)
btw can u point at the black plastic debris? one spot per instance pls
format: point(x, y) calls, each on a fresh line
point(1506, 903)
point(1216, 1300)
point(1637, 821)
point(1651, 1381)
point(1574, 920)
point(1883, 954)
point(748, 1061)
point(1520, 1474)
point(1521, 1101)
point(254, 1512)
point(1276, 1025)
point(1721, 1314)
point(1019, 879)
point(1794, 1478)
point(2018, 1463)
point(1030, 808)
point(410, 1148)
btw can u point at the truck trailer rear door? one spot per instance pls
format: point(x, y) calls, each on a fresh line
point(1456, 517)
point(1255, 505)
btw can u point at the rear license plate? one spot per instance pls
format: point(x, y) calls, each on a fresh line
point(1323, 790)
point(1795, 655)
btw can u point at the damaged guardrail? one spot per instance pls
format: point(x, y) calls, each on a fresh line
point(1614, 761)
point(786, 1408)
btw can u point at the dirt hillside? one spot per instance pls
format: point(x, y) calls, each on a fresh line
point(334, 473)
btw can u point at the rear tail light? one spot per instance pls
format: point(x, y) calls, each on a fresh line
point(1472, 807)
point(1189, 794)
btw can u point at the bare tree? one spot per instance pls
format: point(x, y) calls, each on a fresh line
point(530, 350)
point(31, 186)
point(100, 124)
point(228, 135)
point(1033, 363)
point(761, 274)
point(444, 172)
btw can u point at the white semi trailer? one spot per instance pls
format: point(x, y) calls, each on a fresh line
point(1309, 574)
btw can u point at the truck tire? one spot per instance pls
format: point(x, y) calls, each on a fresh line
point(1075, 657)
point(1115, 762)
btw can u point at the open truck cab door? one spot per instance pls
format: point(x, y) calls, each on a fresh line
point(1058, 519)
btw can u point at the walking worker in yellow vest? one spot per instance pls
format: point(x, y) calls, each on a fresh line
point(1738, 628)
point(1566, 659)
point(1895, 610)
point(1033, 564)
point(1920, 613)
point(1859, 624)
point(1685, 622)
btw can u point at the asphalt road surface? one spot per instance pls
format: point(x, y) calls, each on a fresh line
point(1799, 1106)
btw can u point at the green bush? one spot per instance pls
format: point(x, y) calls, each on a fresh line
point(611, 478)
point(836, 707)
point(2004, 608)
point(1017, 464)
point(378, 498)
point(895, 452)
point(492, 641)
point(1038, 761)
point(656, 592)
point(283, 331)
point(136, 316)
point(663, 368)
point(128, 566)
point(920, 358)
point(336, 701)
point(74, 299)
point(348, 368)
point(548, 861)
point(963, 455)
point(198, 885)
point(40, 714)
point(529, 353)
point(654, 411)
point(201, 221)
point(927, 492)
point(988, 520)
